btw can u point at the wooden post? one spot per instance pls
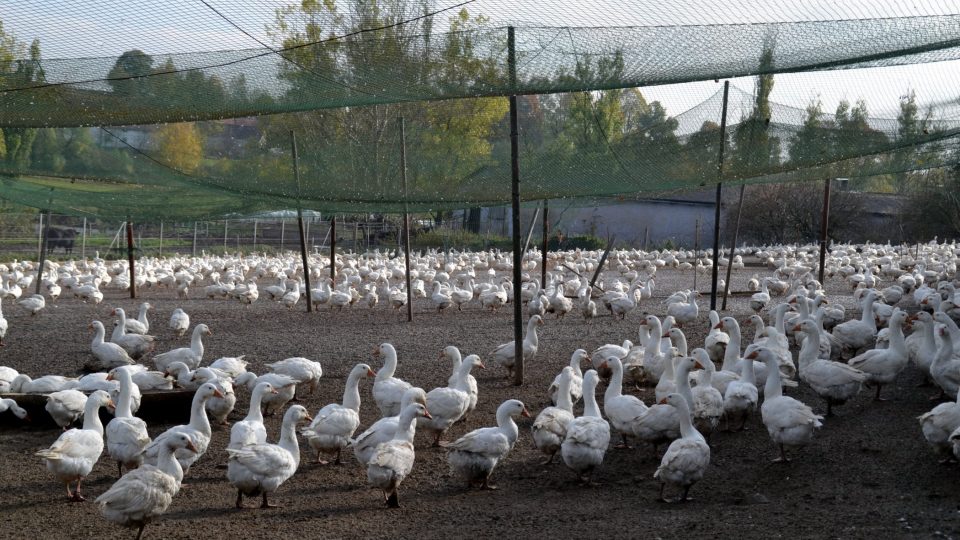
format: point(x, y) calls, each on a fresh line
point(824, 223)
point(696, 250)
point(546, 237)
point(45, 232)
point(83, 240)
point(303, 238)
point(533, 223)
point(733, 246)
point(133, 283)
point(603, 259)
point(283, 231)
point(515, 202)
point(646, 237)
point(225, 236)
point(333, 248)
point(40, 235)
point(161, 238)
point(254, 235)
point(406, 218)
point(716, 213)
point(194, 238)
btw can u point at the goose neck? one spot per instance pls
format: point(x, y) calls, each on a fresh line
point(563, 395)
point(389, 365)
point(406, 421)
point(198, 414)
point(351, 394)
point(167, 463)
point(772, 388)
point(590, 407)
point(123, 401)
point(615, 388)
point(256, 398)
point(809, 350)
point(288, 438)
point(91, 415)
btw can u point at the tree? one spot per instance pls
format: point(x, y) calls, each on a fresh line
point(180, 146)
point(128, 76)
point(912, 131)
point(756, 151)
point(812, 144)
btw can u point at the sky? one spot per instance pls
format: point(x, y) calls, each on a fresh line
point(106, 28)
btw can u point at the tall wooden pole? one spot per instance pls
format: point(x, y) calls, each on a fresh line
point(716, 213)
point(194, 239)
point(225, 236)
point(40, 235)
point(45, 231)
point(733, 246)
point(161, 238)
point(133, 283)
point(283, 232)
point(515, 200)
point(83, 240)
point(303, 238)
point(406, 218)
point(254, 234)
point(546, 237)
point(333, 248)
point(696, 251)
point(824, 223)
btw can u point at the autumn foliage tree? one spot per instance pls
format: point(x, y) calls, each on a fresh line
point(180, 146)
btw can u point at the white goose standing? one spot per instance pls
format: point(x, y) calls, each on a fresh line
point(550, 427)
point(393, 460)
point(588, 436)
point(127, 436)
point(505, 354)
point(334, 424)
point(789, 422)
point(688, 457)
point(475, 455)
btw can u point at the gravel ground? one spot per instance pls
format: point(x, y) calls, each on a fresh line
point(868, 472)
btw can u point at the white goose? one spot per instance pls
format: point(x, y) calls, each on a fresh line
point(945, 368)
point(47, 384)
point(474, 456)
point(688, 457)
point(835, 382)
point(440, 299)
point(33, 303)
point(742, 396)
point(304, 370)
point(260, 469)
point(285, 388)
point(198, 430)
point(938, 424)
point(857, 334)
point(72, 456)
point(883, 365)
point(452, 353)
point(140, 325)
point(127, 436)
point(393, 460)
point(550, 427)
point(334, 425)
point(760, 300)
point(707, 400)
point(66, 406)
point(191, 356)
point(716, 340)
point(576, 382)
point(789, 422)
point(144, 494)
point(179, 322)
point(588, 436)
point(505, 354)
point(8, 404)
point(136, 345)
point(218, 407)
point(4, 325)
point(621, 409)
point(106, 355)
point(251, 430)
point(387, 389)
point(447, 405)
point(384, 429)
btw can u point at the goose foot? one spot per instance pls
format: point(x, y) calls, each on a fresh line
point(623, 443)
point(239, 503)
point(939, 397)
point(783, 456)
point(119, 469)
point(140, 531)
point(266, 504)
point(393, 501)
point(948, 461)
point(487, 485)
point(877, 396)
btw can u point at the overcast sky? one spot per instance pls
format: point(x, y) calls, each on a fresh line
point(106, 28)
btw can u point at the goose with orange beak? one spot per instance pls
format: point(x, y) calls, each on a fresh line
point(198, 430)
point(393, 460)
point(474, 456)
point(687, 458)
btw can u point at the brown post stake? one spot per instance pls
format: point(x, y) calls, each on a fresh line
point(716, 214)
point(824, 223)
point(733, 246)
point(546, 237)
point(603, 259)
point(333, 248)
point(83, 240)
point(161, 238)
point(194, 238)
point(696, 251)
point(406, 218)
point(646, 237)
point(225, 236)
point(133, 283)
point(515, 203)
point(45, 231)
point(303, 237)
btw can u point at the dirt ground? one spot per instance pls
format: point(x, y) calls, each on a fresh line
point(868, 472)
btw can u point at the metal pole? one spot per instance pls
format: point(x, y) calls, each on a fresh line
point(603, 259)
point(733, 246)
point(303, 238)
point(646, 237)
point(225, 236)
point(194, 238)
point(254, 234)
point(696, 251)
point(333, 248)
point(45, 231)
point(356, 236)
point(824, 223)
point(546, 236)
point(406, 218)
point(515, 200)
point(161, 238)
point(716, 213)
point(283, 231)
point(40, 235)
point(133, 283)
point(83, 240)
point(533, 223)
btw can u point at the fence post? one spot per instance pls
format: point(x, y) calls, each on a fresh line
point(716, 215)
point(133, 283)
point(45, 232)
point(194, 238)
point(225, 236)
point(161, 238)
point(40, 235)
point(83, 240)
point(254, 235)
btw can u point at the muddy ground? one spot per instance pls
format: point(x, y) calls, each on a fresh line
point(868, 472)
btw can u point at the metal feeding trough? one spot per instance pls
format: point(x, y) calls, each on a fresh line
point(160, 406)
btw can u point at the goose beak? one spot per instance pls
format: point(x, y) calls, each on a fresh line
point(604, 365)
point(698, 365)
point(111, 404)
point(217, 393)
point(209, 332)
point(192, 447)
point(539, 323)
point(662, 401)
point(274, 391)
point(525, 413)
point(718, 326)
point(308, 418)
point(113, 312)
point(193, 378)
point(370, 373)
point(753, 355)
point(481, 366)
point(796, 328)
point(426, 413)
point(27, 418)
point(110, 377)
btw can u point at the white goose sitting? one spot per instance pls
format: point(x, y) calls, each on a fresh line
point(393, 460)
point(938, 424)
point(106, 355)
point(883, 365)
point(47, 384)
point(144, 494)
point(136, 345)
point(447, 405)
point(251, 430)
point(576, 382)
point(789, 422)
point(191, 356)
point(387, 389)
point(127, 436)
point(233, 366)
point(152, 380)
point(550, 427)
point(452, 353)
point(304, 370)
point(8, 404)
point(688, 457)
point(857, 334)
point(198, 430)
point(505, 354)
point(588, 436)
point(7, 375)
point(72, 456)
point(272, 402)
point(384, 429)
point(140, 325)
point(835, 382)
point(474, 456)
point(66, 406)
point(599, 356)
point(945, 368)
point(260, 469)
point(179, 322)
point(716, 340)
point(334, 425)
point(707, 400)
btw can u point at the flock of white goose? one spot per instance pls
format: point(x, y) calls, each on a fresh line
point(836, 358)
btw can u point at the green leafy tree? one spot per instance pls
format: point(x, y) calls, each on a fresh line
point(128, 76)
point(756, 151)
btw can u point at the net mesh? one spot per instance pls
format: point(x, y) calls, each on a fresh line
point(340, 75)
